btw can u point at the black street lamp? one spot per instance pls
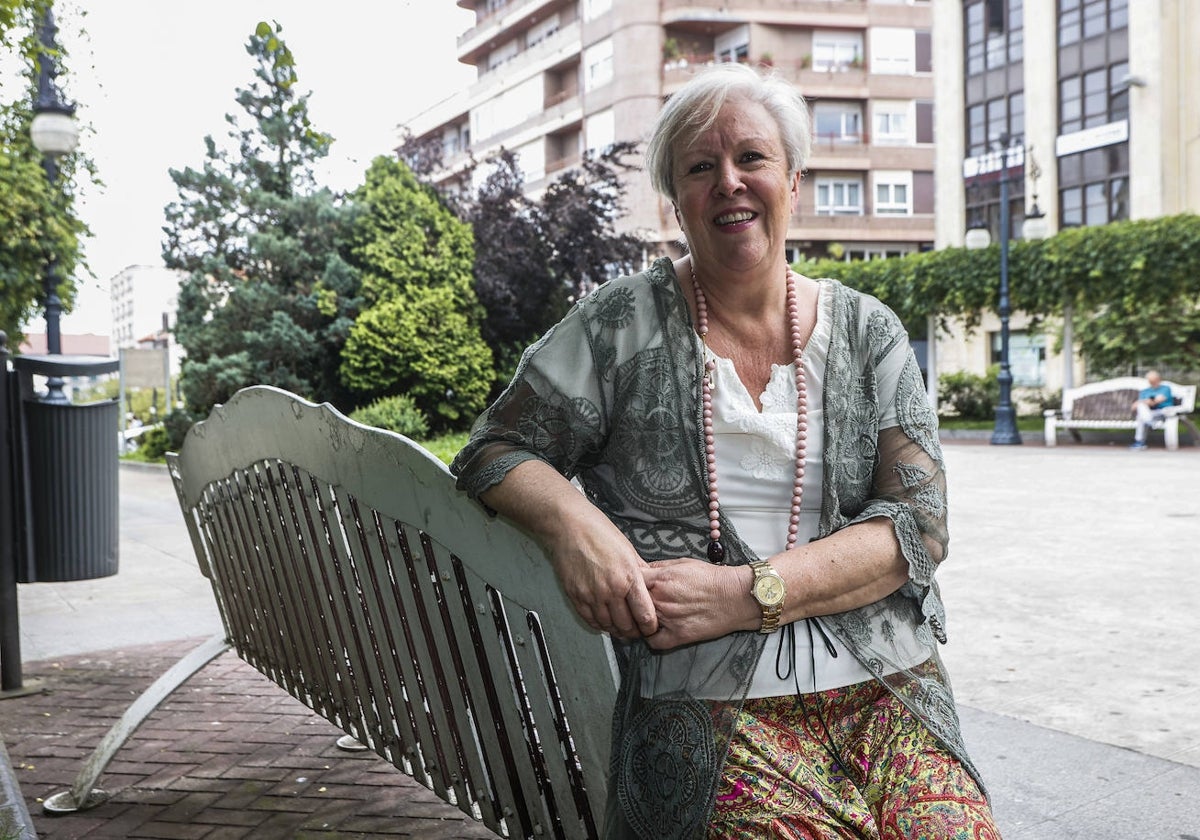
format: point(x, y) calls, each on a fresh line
point(55, 133)
point(1005, 432)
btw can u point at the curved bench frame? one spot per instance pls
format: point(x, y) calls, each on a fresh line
point(349, 570)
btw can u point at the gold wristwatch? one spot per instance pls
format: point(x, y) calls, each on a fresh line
point(769, 590)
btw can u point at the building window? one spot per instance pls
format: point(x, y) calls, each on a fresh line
point(592, 9)
point(598, 64)
point(839, 197)
point(531, 158)
point(541, 31)
point(892, 124)
point(973, 38)
point(1026, 357)
point(836, 51)
point(872, 252)
point(993, 42)
point(994, 34)
point(893, 51)
point(1118, 92)
point(1089, 100)
point(838, 122)
point(733, 45)
point(601, 131)
point(1079, 20)
point(893, 193)
point(1094, 186)
point(508, 110)
point(924, 42)
point(502, 55)
point(989, 122)
point(1095, 204)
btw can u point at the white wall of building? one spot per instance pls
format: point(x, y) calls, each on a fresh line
point(141, 295)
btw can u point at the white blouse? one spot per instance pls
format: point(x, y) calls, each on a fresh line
point(756, 453)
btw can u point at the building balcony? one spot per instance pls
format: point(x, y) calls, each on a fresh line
point(484, 36)
point(824, 13)
point(847, 81)
point(843, 152)
point(807, 225)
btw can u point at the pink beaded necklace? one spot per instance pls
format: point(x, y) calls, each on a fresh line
point(716, 551)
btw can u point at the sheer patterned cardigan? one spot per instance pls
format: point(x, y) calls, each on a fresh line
point(611, 396)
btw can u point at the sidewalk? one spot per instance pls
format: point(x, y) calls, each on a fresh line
point(1071, 588)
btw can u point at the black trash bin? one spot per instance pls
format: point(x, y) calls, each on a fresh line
point(71, 469)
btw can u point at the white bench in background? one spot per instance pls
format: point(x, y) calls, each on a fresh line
point(1108, 405)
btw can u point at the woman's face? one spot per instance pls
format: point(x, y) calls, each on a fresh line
point(734, 195)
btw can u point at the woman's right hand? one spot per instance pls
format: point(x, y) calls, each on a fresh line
point(602, 575)
point(598, 567)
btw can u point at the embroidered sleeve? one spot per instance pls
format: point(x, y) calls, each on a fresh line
point(909, 482)
point(552, 410)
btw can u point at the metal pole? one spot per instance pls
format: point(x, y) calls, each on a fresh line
point(49, 100)
point(10, 624)
point(1005, 432)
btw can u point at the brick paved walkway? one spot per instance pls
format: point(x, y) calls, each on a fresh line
point(229, 755)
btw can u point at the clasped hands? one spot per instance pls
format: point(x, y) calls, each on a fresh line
point(668, 603)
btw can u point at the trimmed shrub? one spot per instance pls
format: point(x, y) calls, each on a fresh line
point(396, 414)
point(155, 443)
point(969, 395)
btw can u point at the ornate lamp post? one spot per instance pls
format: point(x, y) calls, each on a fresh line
point(1036, 226)
point(55, 133)
point(1005, 431)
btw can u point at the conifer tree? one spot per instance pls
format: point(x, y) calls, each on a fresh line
point(269, 296)
point(420, 332)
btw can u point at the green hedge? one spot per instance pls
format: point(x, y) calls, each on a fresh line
point(1134, 286)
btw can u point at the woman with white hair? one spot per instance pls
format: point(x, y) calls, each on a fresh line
point(763, 512)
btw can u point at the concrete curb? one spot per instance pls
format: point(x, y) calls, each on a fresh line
point(142, 465)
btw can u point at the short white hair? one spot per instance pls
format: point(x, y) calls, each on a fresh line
point(696, 105)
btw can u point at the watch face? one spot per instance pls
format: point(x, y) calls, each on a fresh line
point(768, 590)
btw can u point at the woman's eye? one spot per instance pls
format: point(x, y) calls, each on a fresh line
point(751, 156)
point(700, 167)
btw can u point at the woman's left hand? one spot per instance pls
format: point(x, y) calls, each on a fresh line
point(696, 601)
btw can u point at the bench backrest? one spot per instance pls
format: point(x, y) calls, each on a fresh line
point(348, 569)
point(1112, 399)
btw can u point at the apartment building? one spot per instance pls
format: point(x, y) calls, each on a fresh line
point(558, 78)
point(144, 301)
point(1092, 103)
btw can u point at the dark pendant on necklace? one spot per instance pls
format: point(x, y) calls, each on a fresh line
point(716, 552)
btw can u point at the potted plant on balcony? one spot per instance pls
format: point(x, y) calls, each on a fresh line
point(671, 51)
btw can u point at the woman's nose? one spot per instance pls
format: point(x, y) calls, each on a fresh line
point(729, 180)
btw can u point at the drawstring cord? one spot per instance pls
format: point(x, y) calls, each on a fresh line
point(785, 666)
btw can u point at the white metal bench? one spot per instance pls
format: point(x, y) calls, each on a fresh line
point(349, 570)
point(1108, 405)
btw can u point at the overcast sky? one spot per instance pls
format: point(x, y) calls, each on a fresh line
point(153, 77)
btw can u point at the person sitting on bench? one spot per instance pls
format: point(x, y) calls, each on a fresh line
point(1150, 407)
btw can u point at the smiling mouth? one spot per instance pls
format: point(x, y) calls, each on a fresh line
point(734, 218)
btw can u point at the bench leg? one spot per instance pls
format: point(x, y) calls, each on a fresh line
point(1051, 433)
point(1171, 432)
point(1192, 427)
point(82, 794)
